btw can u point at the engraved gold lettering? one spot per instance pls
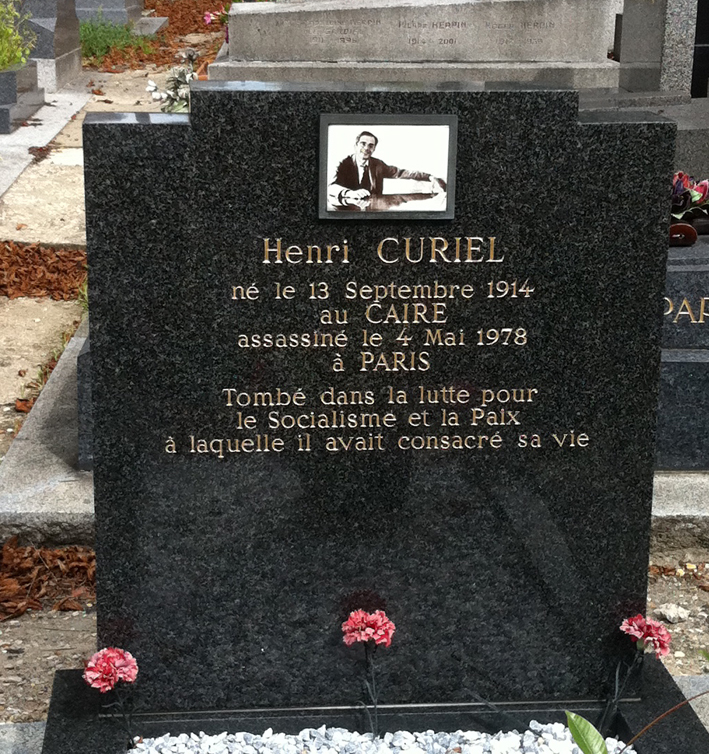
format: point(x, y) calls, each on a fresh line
point(409, 361)
point(702, 308)
point(294, 254)
point(685, 310)
point(239, 292)
point(380, 251)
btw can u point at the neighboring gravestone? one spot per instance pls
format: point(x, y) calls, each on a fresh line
point(300, 411)
point(58, 48)
point(85, 411)
point(700, 69)
point(657, 45)
point(548, 41)
point(20, 96)
point(115, 11)
point(683, 412)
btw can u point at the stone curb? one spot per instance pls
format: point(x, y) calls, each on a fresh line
point(21, 738)
point(58, 111)
point(43, 496)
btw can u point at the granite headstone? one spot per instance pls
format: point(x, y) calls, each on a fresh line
point(20, 95)
point(700, 68)
point(113, 11)
point(85, 409)
point(58, 48)
point(450, 418)
point(683, 409)
point(657, 45)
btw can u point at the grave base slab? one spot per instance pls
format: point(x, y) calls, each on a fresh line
point(76, 722)
point(565, 75)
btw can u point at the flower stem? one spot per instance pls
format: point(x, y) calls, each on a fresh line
point(371, 685)
point(125, 716)
point(611, 707)
point(662, 716)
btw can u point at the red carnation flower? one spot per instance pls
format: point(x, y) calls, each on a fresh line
point(364, 626)
point(108, 666)
point(648, 633)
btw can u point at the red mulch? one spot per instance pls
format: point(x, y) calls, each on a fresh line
point(186, 17)
point(32, 578)
point(34, 270)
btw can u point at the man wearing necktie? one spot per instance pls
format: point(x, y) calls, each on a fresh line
point(360, 175)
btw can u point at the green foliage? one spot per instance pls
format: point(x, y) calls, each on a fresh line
point(84, 294)
point(16, 38)
point(99, 37)
point(587, 738)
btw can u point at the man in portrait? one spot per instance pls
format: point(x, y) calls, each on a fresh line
point(360, 176)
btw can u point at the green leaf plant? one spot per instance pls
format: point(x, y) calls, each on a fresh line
point(16, 38)
point(587, 738)
point(590, 741)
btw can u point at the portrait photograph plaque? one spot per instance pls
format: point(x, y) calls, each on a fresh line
point(394, 165)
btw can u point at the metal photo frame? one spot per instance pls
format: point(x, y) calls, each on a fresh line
point(412, 175)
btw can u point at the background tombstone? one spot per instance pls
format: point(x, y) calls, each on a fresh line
point(657, 45)
point(700, 71)
point(115, 11)
point(550, 42)
point(20, 95)
point(58, 49)
point(683, 412)
point(507, 558)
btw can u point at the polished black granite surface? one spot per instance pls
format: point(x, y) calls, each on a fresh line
point(683, 410)
point(685, 323)
point(77, 722)
point(507, 565)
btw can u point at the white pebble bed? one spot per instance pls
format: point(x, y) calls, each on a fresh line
point(539, 739)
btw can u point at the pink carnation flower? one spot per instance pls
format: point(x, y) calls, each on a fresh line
point(648, 633)
point(108, 666)
point(364, 626)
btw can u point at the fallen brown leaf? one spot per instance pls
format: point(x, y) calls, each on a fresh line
point(32, 577)
point(24, 405)
point(34, 270)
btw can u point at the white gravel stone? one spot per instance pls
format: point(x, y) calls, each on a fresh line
point(539, 739)
point(672, 613)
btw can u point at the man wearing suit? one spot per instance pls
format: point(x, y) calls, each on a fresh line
point(360, 175)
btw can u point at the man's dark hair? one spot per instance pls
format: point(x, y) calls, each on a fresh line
point(367, 133)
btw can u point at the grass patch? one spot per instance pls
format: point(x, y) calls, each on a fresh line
point(99, 37)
